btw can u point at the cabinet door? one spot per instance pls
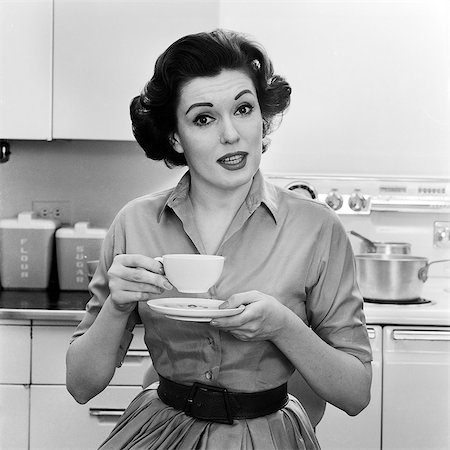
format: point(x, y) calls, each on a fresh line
point(25, 69)
point(57, 422)
point(416, 388)
point(15, 347)
point(50, 345)
point(14, 401)
point(104, 53)
point(338, 431)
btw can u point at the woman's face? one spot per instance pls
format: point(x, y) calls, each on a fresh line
point(219, 129)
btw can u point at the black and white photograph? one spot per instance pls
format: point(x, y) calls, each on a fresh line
point(225, 225)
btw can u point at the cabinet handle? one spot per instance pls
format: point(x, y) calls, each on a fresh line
point(371, 333)
point(137, 354)
point(420, 335)
point(105, 412)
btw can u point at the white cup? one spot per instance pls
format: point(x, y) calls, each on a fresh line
point(192, 273)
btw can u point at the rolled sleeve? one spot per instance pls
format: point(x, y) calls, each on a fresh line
point(334, 303)
point(99, 290)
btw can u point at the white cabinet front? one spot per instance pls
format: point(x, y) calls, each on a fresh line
point(416, 388)
point(26, 69)
point(105, 52)
point(57, 422)
point(50, 344)
point(15, 347)
point(14, 400)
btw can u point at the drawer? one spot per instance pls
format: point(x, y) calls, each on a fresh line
point(49, 347)
point(58, 422)
point(15, 347)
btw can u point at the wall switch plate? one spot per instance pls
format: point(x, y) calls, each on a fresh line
point(441, 234)
point(53, 209)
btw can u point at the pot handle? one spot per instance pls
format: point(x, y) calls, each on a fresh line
point(423, 272)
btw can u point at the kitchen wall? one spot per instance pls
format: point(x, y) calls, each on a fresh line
point(97, 177)
point(370, 97)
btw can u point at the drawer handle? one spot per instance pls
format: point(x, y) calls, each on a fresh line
point(371, 333)
point(413, 335)
point(105, 412)
point(137, 354)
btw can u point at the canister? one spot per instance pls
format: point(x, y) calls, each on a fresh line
point(74, 246)
point(26, 251)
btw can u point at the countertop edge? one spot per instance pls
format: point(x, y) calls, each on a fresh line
point(41, 314)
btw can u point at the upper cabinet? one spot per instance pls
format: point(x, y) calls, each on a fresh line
point(25, 69)
point(104, 53)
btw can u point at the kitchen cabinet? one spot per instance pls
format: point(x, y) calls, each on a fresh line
point(15, 345)
point(339, 431)
point(104, 53)
point(416, 388)
point(26, 69)
point(56, 420)
point(14, 401)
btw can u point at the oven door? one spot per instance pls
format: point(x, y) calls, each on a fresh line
point(416, 388)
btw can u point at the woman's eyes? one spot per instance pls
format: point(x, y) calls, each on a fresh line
point(204, 119)
point(244, 109)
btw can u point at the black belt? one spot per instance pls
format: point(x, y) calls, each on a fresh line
point(216, 404)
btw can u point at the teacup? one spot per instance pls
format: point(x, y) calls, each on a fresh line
point(192, 273)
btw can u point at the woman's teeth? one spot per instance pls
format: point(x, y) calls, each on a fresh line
point(235, 159)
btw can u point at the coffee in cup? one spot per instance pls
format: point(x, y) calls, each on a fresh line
point(192, 273)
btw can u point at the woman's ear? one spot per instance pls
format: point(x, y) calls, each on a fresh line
point(174, 140)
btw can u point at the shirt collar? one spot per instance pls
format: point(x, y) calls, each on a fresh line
point(261, 192)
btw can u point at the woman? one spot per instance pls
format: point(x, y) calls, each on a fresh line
point(210, 104)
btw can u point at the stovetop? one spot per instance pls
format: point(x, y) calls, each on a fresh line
point(434, 313)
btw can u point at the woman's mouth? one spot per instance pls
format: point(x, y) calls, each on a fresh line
point(233, 161)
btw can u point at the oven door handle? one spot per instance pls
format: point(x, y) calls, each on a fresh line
point(421, 335)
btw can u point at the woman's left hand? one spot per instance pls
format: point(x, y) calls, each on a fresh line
point(262, 319)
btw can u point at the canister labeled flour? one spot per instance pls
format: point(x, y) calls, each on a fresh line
point(75, 246)
point(26, 250)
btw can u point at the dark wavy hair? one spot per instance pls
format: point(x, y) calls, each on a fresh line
point(153, 113)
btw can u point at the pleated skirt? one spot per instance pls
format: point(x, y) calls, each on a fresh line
point(149, 424)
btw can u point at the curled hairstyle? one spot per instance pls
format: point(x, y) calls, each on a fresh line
point(153, 113)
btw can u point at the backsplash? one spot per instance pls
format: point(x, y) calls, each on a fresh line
point(96, 177)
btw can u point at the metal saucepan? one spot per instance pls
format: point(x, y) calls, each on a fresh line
point(392, 277)
point(388, 248)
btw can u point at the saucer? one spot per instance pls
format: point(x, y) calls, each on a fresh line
point(192, 309)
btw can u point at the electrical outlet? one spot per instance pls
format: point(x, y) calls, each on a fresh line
point(53, 209)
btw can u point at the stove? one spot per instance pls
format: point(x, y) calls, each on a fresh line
point(391, 209)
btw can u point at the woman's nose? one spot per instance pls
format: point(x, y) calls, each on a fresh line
point(229, 133)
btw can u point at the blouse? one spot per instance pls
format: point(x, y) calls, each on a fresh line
point(280, 243)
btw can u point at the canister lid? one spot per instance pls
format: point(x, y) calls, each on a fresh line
point(29, 220)
point(81, 230)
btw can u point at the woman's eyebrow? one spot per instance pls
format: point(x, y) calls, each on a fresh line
point(245, 91)
point(194, 105)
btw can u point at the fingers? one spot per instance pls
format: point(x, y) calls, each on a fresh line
point(134, 278)
point(243, 298)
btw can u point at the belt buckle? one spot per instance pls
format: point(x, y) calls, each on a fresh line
point(228, 419)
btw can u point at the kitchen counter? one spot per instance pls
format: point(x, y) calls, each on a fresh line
point(70, 306)
point(43, 305)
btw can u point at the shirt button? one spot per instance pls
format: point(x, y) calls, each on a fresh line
point(208, 375)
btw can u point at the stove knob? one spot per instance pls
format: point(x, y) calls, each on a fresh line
point(303, 188)
point(357, 201)
point(334, 200)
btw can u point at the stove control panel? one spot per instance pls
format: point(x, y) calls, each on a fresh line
point(363, 195)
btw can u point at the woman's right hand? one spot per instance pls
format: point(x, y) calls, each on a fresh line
point(132, 278)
